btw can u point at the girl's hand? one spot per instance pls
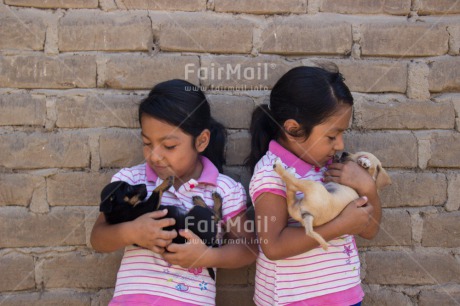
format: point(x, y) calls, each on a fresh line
point(352, 175)
point(187, 255)
point(356, 216)
point(147, 231)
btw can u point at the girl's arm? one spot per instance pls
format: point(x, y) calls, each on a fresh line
point(240, 250)
point(278, 241)
point(146, 231)
point(356, 177)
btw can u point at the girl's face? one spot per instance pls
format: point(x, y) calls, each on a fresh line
point(325, 139)
point(170, 151)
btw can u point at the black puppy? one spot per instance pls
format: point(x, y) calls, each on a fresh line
point(121, 202)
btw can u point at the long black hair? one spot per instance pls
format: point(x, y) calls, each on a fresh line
point(308, 95)
point(183, 104)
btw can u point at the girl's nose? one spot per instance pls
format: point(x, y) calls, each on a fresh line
point(155, 155)
point(339, 144)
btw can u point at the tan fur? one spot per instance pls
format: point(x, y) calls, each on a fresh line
point(320, 206)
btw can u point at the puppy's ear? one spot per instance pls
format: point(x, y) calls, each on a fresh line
point(106, 206)
point(382, 178)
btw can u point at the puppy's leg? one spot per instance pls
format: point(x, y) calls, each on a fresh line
point(307, 222)
point(198, 201)
point(167, 183)
point(217, 206)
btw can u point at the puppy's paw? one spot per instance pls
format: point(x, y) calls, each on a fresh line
point(198, 201)
point(277, 163)
point(364, 162)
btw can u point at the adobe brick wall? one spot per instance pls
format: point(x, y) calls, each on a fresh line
point(72, 73)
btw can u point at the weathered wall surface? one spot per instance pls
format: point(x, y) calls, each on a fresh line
point(72, 72)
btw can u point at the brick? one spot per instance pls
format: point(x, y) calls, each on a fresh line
point(420, 268)
point(265, 7)
point(417, 81)
point(103, 297)
point(232, 276)
point(121, 148)
point(165, 5)
point(39, 71)
point(59, 227)
point(238, 147)
point(44, 150)
point(403, 39)
point(80, 270)
point(93, 30)
point(18, 189)
point(428, 7)
point(234, 112)
point(441, 230)
point(454, 41)
point(444, 148)
point(394, 7)
point(22, 31)
point(240, 295)
point(55, 3)
point(396, 112)
point(439, 297)
point(384, 297)
point(123, 71)
point(239, 72)
point(108, 110)
point(200, 32)
point(395, 230)
point(17, 272)
point(453, 192)
point(294, 35)
point(22, 109)
point(444, 74)
point(374, 76)
point(48, 298)
point(426, 189)
point(395, 149)
point(76, 188)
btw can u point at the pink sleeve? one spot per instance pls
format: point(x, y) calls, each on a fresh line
point(274, 191)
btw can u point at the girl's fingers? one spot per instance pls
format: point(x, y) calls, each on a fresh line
point(158, 250)
point(337, 166)
point(165, 222)
point(361, 201)
point(157, 214)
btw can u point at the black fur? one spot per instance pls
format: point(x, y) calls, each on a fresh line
point(200, 220)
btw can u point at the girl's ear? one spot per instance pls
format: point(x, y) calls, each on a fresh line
point(202, 140)
point(291, 128)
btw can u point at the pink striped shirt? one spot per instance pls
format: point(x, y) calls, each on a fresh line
point(316, 277)
point(143, 272)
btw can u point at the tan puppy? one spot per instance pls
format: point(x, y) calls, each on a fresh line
point(322, 203)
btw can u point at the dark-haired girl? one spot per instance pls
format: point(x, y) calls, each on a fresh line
point(180, 139)
point(309, 110)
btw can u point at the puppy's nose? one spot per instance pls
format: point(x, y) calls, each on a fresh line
point(345, 154)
